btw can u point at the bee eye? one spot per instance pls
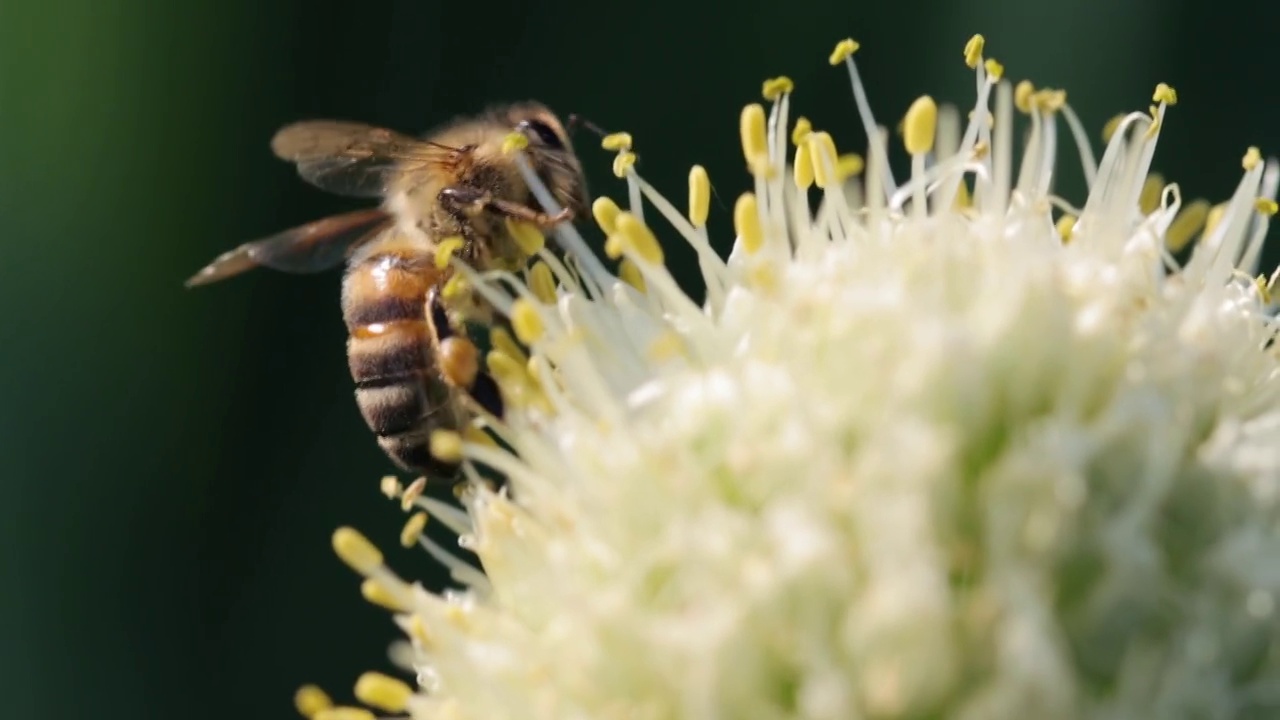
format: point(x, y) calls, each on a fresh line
point(543, 132)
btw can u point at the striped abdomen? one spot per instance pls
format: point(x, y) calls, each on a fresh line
point(393, 352)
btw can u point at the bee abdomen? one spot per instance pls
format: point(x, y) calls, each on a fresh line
point(411, 451)
point(387, 287)
point(401, 395)
point(403, 404)
point(391, 352)
point(382, 354)
point(384, 307)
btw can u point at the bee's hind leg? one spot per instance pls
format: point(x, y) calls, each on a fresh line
point(460, 362)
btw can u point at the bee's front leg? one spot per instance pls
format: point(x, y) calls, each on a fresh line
point(473, 199)
point(517, 211)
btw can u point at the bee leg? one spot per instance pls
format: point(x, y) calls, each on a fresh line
point(460, 359)
point(517, 211)
point(471, 198)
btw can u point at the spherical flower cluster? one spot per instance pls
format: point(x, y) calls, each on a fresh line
point(944, 446)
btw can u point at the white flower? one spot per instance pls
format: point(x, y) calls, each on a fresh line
point(946, 446)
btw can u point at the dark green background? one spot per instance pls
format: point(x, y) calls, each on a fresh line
point(175, 461)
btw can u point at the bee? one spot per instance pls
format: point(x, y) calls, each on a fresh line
point(408, 348)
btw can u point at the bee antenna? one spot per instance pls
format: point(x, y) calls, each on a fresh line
point(442, 146)
point(576, 120)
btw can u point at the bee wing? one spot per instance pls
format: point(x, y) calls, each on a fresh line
point(309, 248)
point(352, 159)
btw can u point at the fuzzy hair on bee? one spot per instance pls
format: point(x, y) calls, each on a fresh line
point(411, 357)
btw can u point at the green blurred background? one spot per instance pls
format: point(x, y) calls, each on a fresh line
point(175, 461)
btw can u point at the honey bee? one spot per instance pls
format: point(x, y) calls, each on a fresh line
point(408, 350)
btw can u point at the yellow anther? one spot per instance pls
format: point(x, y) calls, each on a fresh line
point(1149, 197)
point(775, 88)
point(383, 692)
point(456, 616)
point(759, 166)
point(637, 237)
point(616, 141)
point(412, 529)
point(980, 149)
point(1165, 94)
point(390, 486)
point(849, 165)
point(842, 51)
point(455, 287)
point(502, 341)
point(345, 713)
point(763, 277)
point(822, 156)
point(995, 70)
point(542, 283)
point(1066, 226)
point(1266, 206)
point(631, 274)
point(801, 131)
point(1022, 96)
point(605, 211)
point(514, 142)
point(973, 51)
point(412, 493)
point(614, 246)
point(526, 321)
point(746, 221)
point(920, 125)
point(310, 700)
point(802, 168)
point(1252, 157)
point(623, 162)
point(527, 236)
point(517, 386)
point(1049, 100)
point(666, 346)
point(356, 551)
point(445, 445)
point(751, 129)
point(1110, 128)
point(446, 248)
point(418, 631)
point(374, 592)
point(507, 371)
point(1216, 213)
point(699, 196)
